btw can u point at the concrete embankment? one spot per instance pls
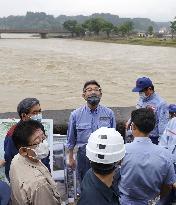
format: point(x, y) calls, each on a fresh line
point(61, 117)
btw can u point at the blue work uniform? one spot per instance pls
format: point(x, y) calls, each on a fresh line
point(4, 193)
point(144, 169)
point(83, 121)
point(10, 151)
point(94, 191)
point(168, 139)
point(160, 108)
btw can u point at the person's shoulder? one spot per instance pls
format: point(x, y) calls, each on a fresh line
point(78, 110)
point(129, 145)
point(159, 100)
point(16, 161)
point(11, 131)
point(107, 109)
point(161, 152)
point(26, 172)
point(86, 178)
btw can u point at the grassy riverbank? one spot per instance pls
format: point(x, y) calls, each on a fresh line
point(135, 41)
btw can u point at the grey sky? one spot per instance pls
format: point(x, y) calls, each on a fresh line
point(157, 10)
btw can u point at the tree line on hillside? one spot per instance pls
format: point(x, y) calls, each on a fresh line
point(173, 27)
point(96, 25)
point(41, 20)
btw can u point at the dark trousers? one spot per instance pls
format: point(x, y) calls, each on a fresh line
point(83, 163)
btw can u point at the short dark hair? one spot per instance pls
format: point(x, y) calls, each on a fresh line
point(144, 119)
point(172, 114)
point(103, 169)
point(90, 82)
point(23, 132)
point(26, 104)
point(152, 87)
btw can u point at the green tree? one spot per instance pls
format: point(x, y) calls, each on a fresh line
point(94, 25)
point(122, 30)
point(116, 30)
point(150, 30)
point(129, 26)
point(70, 26)
point(79, 30)
point(173, 27)
point(107, 27)
point(126, 28)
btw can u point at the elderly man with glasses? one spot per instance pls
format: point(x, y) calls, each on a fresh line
point(85, 120)
point(28, 108)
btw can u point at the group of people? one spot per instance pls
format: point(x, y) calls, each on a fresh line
point(110, 172)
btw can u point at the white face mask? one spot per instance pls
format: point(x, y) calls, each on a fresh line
point(142, 95)
point(37, 117)
point(42, 150)
point(128, 132)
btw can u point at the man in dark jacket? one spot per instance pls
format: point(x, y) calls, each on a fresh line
point(105, 150)
point(28, 108)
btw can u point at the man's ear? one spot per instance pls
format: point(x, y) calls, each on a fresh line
point(23, 116)
point(83, 95)
point(23, 151)
point(133, 126)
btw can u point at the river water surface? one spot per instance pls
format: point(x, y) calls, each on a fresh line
point(54, 71)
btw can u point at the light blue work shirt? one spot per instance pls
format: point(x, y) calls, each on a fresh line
point(144, 169)
point(168, 139)
point(83, 121)
point(160, 108)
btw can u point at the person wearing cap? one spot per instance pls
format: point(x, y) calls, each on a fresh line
point(148, 98)
point(147, 169)
point(4, 189)
point(30, 180)
point(28, 108)
point(105, 150)
point(85, 120)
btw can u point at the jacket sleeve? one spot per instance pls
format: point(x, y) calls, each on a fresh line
point(45, 195)
point(9, 152)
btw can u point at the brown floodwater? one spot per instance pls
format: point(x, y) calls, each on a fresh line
point(54, 71)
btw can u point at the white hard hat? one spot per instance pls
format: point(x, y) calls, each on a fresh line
point(105, 146)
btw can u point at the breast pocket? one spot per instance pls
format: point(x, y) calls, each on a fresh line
point(105, 122)
point(83, 132)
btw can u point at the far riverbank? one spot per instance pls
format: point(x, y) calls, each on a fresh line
point(133, 41)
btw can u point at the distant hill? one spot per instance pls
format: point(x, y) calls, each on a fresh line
point(41, 20)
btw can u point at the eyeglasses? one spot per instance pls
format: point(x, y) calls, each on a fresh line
point(96, 90)
point(38, 140)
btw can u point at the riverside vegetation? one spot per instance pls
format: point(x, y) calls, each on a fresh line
point(98, 27)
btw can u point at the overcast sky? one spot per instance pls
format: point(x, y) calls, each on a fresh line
point(157, 10)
